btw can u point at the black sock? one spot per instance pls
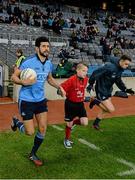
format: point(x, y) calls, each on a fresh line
point(96, 122)
point(37, 142)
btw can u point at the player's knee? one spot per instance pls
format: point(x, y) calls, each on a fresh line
point(42, 129)
point(70, 124)
point(84, 122)
point(111, 110)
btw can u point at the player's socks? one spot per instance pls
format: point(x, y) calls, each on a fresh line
point(17, 124)
point(37, 142)
point(67, 132)
point(20, 126)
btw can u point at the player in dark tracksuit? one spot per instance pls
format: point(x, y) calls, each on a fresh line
point(104, 78)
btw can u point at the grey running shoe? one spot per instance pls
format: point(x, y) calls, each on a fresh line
point(67, 144)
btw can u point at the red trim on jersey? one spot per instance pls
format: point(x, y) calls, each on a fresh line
point(75, 88)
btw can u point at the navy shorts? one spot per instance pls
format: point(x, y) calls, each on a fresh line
point(73, 109)
point(100, 96)
point(29, 109)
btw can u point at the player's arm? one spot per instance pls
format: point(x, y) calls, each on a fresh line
point(120, 84)
point(16, 79)
point(54, 83)
point(95, 75)
point(66, 86)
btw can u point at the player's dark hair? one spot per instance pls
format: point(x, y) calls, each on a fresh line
point(125, 57)
point(41, 39)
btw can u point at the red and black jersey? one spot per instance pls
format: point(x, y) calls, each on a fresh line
point(75, 88)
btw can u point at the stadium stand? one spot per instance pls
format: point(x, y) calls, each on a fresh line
point(84, 38)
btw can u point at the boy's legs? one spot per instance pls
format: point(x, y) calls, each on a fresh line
point(69, 116)
point(73, 112)
point(68, 129)
point(77, 121)
point(84, 121)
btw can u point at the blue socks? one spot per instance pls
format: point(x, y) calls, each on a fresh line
point(37, 142)
point(38, 138)
point(20, 126)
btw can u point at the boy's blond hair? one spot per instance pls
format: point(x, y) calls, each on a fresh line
point(80, 65)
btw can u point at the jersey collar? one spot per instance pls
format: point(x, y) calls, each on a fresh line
point(40, 60)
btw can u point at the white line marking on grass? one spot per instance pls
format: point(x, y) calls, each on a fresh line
point(57, 127)
point(92, 146)
point(130, 164)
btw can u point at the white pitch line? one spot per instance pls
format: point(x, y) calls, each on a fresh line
point(129, 164)
point(126, 173)
point(57, 127)
point(92, 146)
point(123, 161)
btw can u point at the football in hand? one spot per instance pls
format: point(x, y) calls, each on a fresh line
point(28, 73)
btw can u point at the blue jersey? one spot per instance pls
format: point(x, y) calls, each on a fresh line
point(35, 92)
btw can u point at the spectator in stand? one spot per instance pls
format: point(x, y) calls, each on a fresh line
point(20, 58)
point(78, 21)
point(107, 48)
point(131, 44)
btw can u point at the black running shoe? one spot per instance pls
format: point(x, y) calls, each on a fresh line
point(13, 124)
point(97, 127)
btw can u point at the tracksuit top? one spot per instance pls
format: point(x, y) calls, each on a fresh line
point(106, 76)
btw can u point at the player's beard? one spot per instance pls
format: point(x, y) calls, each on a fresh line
point(44, 54)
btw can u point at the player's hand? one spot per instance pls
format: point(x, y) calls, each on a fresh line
point(89, 88)
point(61, 92)
point(130, 91)
point(29, 81)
